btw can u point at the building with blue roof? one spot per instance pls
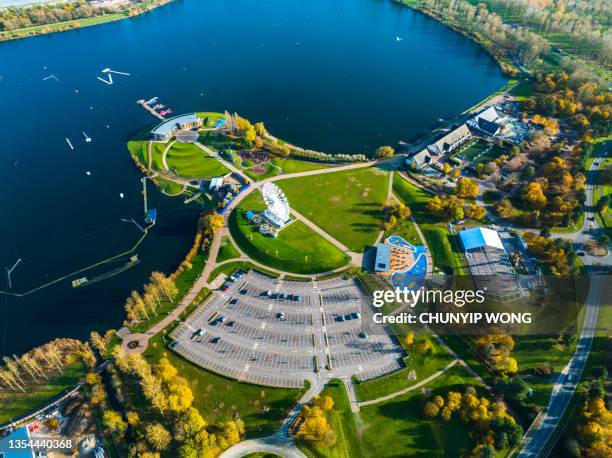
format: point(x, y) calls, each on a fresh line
point(383, 258)
point(485, 252)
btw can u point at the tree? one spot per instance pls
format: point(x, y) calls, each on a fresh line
point(152, 390)
point(260, 129)
point(114, 422)
point(409, 339)
point(99, 343)
point(446, 168)
point(180, 397)
point(165, 370)
point(132, 418)
point(466, 187)
point(402, 211)
point(324, 402)
point(213, 223)
point(535, 196)
point(384, 152)
point(458, 214)
point(431, 409)
point(92, 378)
point(157, 436)
point(189, 425)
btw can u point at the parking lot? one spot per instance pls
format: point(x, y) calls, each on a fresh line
point(279, 333)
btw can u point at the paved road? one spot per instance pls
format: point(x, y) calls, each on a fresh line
point(537, 437)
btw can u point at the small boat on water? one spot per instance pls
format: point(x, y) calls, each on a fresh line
point(153, 100)
point(69, 144)
point(87, 138)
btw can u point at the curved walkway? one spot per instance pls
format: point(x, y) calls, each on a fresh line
point(425, 381)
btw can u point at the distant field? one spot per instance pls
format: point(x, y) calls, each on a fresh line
point(297, 248)
point(347, 205)
point(190, 161)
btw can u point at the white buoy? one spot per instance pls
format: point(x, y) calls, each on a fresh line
point(398, 39)
point(88, 173)
point(69, 144)
point(121, 195)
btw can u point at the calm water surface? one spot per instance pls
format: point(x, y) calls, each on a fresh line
point(328, 75)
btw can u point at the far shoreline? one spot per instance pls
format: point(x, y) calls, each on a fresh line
point(56, 27)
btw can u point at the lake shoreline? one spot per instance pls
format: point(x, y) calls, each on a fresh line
point(56, 27)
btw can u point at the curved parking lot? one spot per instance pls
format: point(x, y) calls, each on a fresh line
point(279, 333)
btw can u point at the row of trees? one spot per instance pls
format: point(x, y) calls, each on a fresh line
point(256, 136)
point(18, 17)
point(583, 25)
point(478, 21)
point(23, 373)
point(142, 307)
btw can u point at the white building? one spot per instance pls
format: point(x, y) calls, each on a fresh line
point(166, 130)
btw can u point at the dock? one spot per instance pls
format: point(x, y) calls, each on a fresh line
point(150, 109)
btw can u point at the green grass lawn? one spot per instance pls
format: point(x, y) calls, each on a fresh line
point(231, 267)
point(422, 364)
point(444, 247)
point(218, 398)
point(342, 421)
point(13, 404)
point(289, 165)
point(347, 205)
point(190, 161)
point(227, 250)
point(398, 427)
point(169, 187)
point(480, 152)
point(157, 152)
point(138, 149)
point(296, 249)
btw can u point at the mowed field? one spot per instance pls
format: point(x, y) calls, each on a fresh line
point(347, 205)
point(296, 249)
point(398, 427)
point(189, 161)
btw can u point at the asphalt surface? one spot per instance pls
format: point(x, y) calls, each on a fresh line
point(248, 332)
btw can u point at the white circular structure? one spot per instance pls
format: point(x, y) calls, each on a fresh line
point(277, 203)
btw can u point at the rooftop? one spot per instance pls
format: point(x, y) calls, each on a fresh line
point(168, 125)
point(478, 237)
point(383, 257)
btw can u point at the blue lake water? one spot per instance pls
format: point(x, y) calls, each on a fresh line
point(328, 75)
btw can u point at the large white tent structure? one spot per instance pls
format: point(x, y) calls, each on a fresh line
point(278, 209)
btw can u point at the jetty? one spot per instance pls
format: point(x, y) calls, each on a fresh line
point(150, 109)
